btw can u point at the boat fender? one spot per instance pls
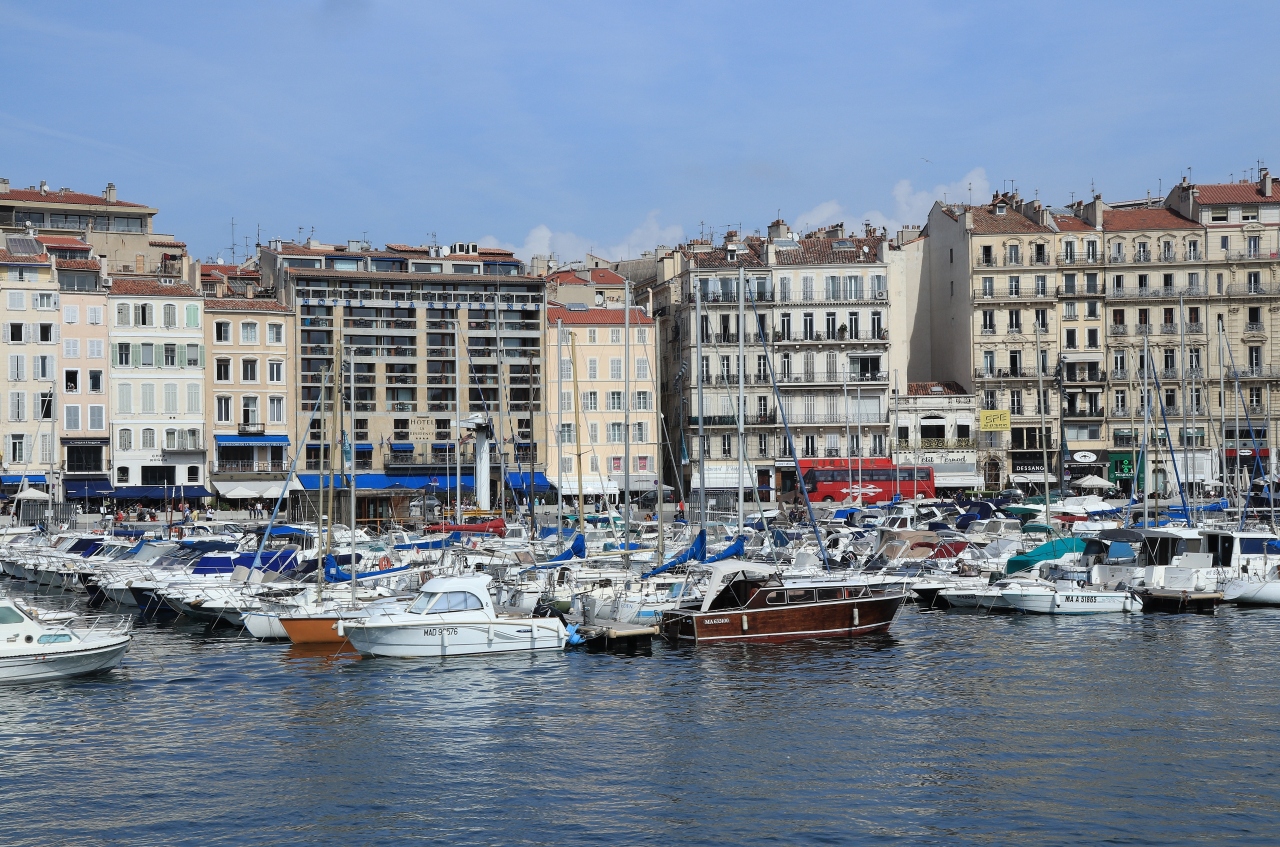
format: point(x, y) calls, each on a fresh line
point(574, 638)
point(339, 627)
point(384, 563)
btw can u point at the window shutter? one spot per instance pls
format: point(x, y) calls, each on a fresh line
point(57, 333)
point(135, 355)
point(115, 356)
point(29, 332)
point(22, 408)
point(202, 355)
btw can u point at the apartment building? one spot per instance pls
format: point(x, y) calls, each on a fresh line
point(1151, 322)
point(438, 336)
point(250, 389)
point(83, 454)
point(121, 233)
point(936, 424)
point(830, 322)
point(605, 422)
point(157, 389)
point(29, 317)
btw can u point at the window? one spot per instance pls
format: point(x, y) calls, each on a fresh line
point(249, 332)
point(122, 474)
point(249, 409)
point(275, 333)
point(194, 359)
point(593, 434)
point(222, 370)
point(42, 367)
point(193, 471)
point(1218, 214)
point(615, 369)
point(171, 355)
point(17, 448)
point(124, 398)
point(591, 336)
point(17, 301)
point(1015, 286)
point(566, 401)
point(615, 401)
point(144, 314)
point(17, 368)
point(1042, 320)
point(170, 398)
point(249, 370)
point(96, 348)
point(275, 409)
point(146, 355)
point(590, 401)
point(148, 398)
point(193, 316)
point(1069, 310)
point(16, 333)
point(124, 439)
point(193, 397)
point(275, 371)
point(148, 439)
point(1091, 310)
point(615, 336)
point(222, 331)
point(71, 416)
point(614, 433)
point(1249, 213)
point(1071, 340)
point(170, 316)
point(223, 405)
point(1015, 320)
point(97, 417)
point(95, 382)
point(566, 434)
point(806, 288)
point(566, 369)
point(639, 432)
point(1091, 339)
point(123, 355)
point(642, 368)
point(643, 401)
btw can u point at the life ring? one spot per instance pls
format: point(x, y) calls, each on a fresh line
point(384, 563)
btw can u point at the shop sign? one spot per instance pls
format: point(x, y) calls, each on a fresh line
point(1084, 457)
point(993, 420)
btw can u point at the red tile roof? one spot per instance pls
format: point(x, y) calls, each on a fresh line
point(77, 264)
point(604, 276)
point(410, 248)
point(1236, 193)
point(229, 271)
point(1128, 220)
point(925, 389)
point(23, 258)
point(33, 195)
point(129, 287)
point(64, 242)
point(595, 317)
point(243, 304)
point(330, 273)
point(1070, 223)
point(823, 251)
point(162, 242)
point(987, 222)
point(718, 257)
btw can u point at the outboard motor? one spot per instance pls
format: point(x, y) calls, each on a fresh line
point(544, 609)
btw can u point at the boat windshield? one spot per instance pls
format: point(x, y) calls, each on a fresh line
point(9, 615)
point(435, 602)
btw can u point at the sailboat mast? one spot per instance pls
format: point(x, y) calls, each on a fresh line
point(1186, 396)
point(349, 461)
point(626, 422)
point(742, 396)
point(662, 424)
point(577, 433)
point(560, 433)
point(702, 444)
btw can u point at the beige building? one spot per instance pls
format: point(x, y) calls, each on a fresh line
point(604, 414)
point(1155, 311)
point(250, 391)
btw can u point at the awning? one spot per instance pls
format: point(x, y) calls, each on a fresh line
point(645, 481)
point(76, 488)
point(390, 484)
point(724, 477)
point(959, 481)
point(364, 448)
point(238, 490)
point(14, 479)
point(251, 440)
point(590, 485)
point(401, 447)
point(160, 492)
point(1025, 478)
point(520, 482)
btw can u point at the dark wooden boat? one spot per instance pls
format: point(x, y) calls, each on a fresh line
point(748, 602)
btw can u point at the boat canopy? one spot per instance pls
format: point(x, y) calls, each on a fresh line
point(1055, 549)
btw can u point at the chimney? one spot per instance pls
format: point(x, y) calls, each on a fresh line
point(248, 290)
point(779, 229)
point(110, 193)
point(44, 187)
point(1265, 179)
point(4, 186)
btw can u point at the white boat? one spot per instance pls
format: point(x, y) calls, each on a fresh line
point(453, 616)
point(35, 650)
point(1068, 597)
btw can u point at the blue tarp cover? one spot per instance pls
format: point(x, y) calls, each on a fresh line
point(696, 550)
point(737, 548)
point(577, 549)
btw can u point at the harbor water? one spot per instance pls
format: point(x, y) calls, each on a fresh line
point(954, 729)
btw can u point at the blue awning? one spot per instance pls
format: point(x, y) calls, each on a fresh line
point(160, 492)
point(14, 479)
point(391, 484)
point(401, 447)
point(520, 482)
point(313, 481)
point(251, 440)
point(364, 448)
point(88, 488)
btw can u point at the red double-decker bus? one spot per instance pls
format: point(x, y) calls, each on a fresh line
point(876, 480)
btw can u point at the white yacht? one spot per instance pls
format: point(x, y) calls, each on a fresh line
point(453, 616)
point(38, 648)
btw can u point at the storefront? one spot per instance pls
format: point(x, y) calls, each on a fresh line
point(1120, 471)
point(1027, 469)
point(1082, 463)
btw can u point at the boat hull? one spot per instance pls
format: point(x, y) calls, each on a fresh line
point(1252, 592)
point(1080, 602)
point(265, 626)
point(432, 640)
point(832, 619)
point(317, 630)
point(97, 658)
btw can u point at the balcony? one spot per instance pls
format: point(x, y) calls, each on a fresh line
point(1078, 259)
point(1168, 329)
point(1086, 377)
point(1120, 411)
point(1009, 373)
point(1084, 413)
point(1142, 256)
point(1142, 329)
point(1119, 375)
point(1168, 373)
point(1155, 292)
point(380, 352)
point(1250, 255)
point(947, 444)
point(1014, 330)
point(982, 261)
point(402, 407)
point(714, 420)
point(1021, 293)
point(1251, 328)
point(1118, 329)
point(1252, 289)
point(1195, 328)
point(218, 466)
point(251, 428)
point(394, 459)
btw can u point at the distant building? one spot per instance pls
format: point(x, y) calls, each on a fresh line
point(937, 425)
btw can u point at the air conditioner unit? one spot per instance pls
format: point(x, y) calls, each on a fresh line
point(882, 295)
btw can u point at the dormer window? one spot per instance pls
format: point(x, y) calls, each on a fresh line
point(731, 253)
point(1000, 208)
point(1249, 213)
point(1218, 214)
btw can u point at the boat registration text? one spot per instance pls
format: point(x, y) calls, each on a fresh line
point(441, 630)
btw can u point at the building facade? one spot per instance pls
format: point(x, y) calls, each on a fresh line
point(605, 401)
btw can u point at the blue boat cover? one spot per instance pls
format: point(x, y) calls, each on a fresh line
point(287, 530)
point(737, 548)
point(577, 549)
point(696, 550)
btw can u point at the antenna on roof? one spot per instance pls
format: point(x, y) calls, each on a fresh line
point(233, 241)
point(971, 194)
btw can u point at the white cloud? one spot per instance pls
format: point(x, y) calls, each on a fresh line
point(569, 246)
point(912, 207)
point(823, 213)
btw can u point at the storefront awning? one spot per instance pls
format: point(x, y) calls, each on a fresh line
point(251, 440)
point(14, 479)
point(590, 485)
point(520, 482)
point(958, 481)
point(239, 490)
point(401, 447)
point(160, 492)
point(79, 488)
point(364, 448)
point(1032, 478)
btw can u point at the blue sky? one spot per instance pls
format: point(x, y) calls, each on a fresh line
point(613, 127)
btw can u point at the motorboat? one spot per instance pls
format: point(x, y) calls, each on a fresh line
point(1069, 597)
point(452, 616)
point(38, 647)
